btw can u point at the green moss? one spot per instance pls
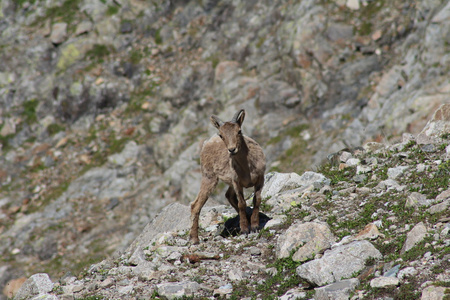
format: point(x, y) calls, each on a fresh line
point(157, 37)
point(66, 12)
point(98, 52)
point(214, 59)
point(365, 28)
point(336, 175)
point(54, 128)
point(135, 56)
point(4, 141)
point(112, 10)
point(29, 111)
point(69, 55)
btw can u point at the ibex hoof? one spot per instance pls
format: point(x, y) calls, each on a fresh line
point(254, 229)
point(194, 241)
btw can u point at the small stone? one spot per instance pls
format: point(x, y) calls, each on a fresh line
point(255, 251)
point(417, 199)
point(59, 33)
point(353, 162)
point(83, 27)
point(437, 208)
point(345, 156)
point(223, 290)
point(384, 282)
point(415, 236)
point(236, 274)
point(392, 272)
point(172, 290)
point(370, 232)
point(406, 272)
point(394, 173)
point(353, 4)
point(363, 169)
point(433, 293)
point(293, 294)
point(377, 35)
point(337, 290)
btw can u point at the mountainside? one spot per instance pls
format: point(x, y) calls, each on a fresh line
point(104, 104)
point(373, 224)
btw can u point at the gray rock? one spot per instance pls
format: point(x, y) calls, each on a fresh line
point(337, 291)
point(59, 33)
point(436, 126)
point(128, 156)
point(416, 199)
point(37, 284)
point(278, 182)
point(338, 263)
point(293, 294)
point(384, 282)
point(353, 162)
point(45, 297)
point(390, 184)
point(440, 207)
point(443, 196)
point(415, 236)
point(172, 290)
point(83, 27)
point(407, 272)
point(392, 272)
point(394, 173)
point(308, 238)
point(223, 290)
point(433, 293)
point(9, 127)
point(172, 218)
point(236, 274)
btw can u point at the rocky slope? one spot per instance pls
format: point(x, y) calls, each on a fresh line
point(104, 104)
point(373, 224)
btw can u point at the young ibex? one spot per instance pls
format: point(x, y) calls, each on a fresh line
point(236, 160)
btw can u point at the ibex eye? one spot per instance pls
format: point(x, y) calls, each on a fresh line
point(239, 132)
point(220, 136)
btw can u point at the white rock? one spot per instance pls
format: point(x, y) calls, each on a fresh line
point(384, 282)
point(406, 272)
point(415, 236)
point(353, 4)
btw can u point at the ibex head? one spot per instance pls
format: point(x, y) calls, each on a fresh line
point(230, 132)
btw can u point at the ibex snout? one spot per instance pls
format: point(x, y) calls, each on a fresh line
point(232, 150)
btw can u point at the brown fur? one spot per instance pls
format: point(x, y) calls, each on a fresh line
point(238, 161)
point(13, 286)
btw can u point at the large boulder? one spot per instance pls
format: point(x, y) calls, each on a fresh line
point(306, 239)
point(339, 263)
point(436, 127)
point(38, 284)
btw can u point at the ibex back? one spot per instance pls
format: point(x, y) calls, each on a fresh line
point(238, 161)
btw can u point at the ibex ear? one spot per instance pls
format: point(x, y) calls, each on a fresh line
point(216, 121)
point(239, 117)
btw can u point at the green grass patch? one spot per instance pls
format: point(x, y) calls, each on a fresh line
point(54, 128)
point(29, 111)
point(158, 37)
point(98, 52)
point(112, 10)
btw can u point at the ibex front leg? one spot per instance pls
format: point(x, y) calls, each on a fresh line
point(206, 188)
point(256, 204)
point(243, 222)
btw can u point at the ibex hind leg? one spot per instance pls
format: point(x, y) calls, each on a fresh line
point(206, 188)
point(254, 220)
